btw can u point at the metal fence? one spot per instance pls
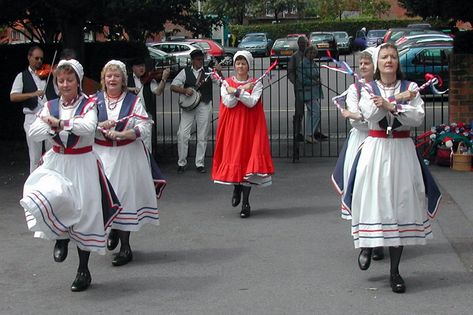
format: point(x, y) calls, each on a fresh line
point(278, 100)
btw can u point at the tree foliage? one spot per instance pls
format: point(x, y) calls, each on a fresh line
point(443, 9)
point(44, 20)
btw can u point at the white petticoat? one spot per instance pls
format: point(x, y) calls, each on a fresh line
point(389, 202)
point(128, 169)
point(63, 199)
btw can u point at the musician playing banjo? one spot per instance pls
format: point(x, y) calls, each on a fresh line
point(194, 86)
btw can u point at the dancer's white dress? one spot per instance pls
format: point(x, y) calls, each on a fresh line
point(388, 201)
point(127, 163)
point(68, 195)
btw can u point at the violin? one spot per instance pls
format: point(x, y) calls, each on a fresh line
point(156, 74)
point(44, 71)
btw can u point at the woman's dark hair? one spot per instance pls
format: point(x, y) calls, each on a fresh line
point(399, 74)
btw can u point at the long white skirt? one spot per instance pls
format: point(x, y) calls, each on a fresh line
point(128, 169)
point(389, 206)
point(63, 199)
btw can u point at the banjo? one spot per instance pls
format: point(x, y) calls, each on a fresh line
point(190, 102)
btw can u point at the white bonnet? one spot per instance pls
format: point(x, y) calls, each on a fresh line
point(76, 66)
point(372, 52)
point(248, 56)
point(120, 66)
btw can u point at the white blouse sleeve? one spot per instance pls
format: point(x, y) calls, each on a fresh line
point(83, 125)
point(412, 113)
point(229, 100)
point(250, 99)
point(39, 130)
point(142, 126)
point(353, 98)
point(369, 110)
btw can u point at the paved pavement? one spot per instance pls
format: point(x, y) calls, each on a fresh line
point(293, 256)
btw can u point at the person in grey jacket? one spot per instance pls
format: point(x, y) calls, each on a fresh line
point(309, 91)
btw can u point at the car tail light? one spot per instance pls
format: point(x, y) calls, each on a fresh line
point(273, 52)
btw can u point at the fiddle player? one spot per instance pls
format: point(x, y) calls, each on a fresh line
point(144, 84)
point(30, 90)
point(184, 83)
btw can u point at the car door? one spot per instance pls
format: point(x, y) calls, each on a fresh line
point(431, 60)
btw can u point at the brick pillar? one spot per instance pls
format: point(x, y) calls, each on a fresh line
point(461, 88)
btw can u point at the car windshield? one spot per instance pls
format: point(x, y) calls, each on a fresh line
point(340, 35)
point(156, 53)
point(285, 43)
point(376, 33)
point(202, 45)
point(253, 38)
point(321, 37)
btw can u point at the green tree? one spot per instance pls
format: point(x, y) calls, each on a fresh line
point(443, 9)
point(235, 10)
point(46, 19)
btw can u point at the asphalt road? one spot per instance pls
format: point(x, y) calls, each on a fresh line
point(294, 255)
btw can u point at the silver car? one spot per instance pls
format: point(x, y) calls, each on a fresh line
point(181, 50)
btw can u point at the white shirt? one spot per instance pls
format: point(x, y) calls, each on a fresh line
point(17, 87)
point(139, 85)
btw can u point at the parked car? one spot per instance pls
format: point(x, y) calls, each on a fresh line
point(422, 58)
point(344, 42)
point(424, 26)
point(213, 48)
point(259, 44)
point(282, 50)
point(429, 35)
point(163, 60)
point(393, 34)
point(425, 41)
point(375, 37)
point(298, 35)
point(181, 50)
point(324, 41)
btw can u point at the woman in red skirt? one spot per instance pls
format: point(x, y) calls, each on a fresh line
point(242, 155)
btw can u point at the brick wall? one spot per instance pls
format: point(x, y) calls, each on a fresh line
point(461, 88)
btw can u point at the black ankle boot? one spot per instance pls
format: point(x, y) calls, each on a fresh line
point(245, 211)
point(397, 283)
point(82, 281)
point(236, 197)
point(60, 250)
point(378, 253)
point(112, 240)
point(364, 259)
point(123, 257)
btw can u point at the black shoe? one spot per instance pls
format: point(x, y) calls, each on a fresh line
point(236, 197)
point(378, 253)
point(299, 137)
point(181, 169)
point(320, 136)
point(397, 283)
point(122, 258)
point(112, 240)
point(82, 281)
point(201, 169)
point(364, 259)
point(245, 211)
point(60, 250)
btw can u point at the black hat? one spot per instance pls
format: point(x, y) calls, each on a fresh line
point(196, 53)
point(137, 61)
